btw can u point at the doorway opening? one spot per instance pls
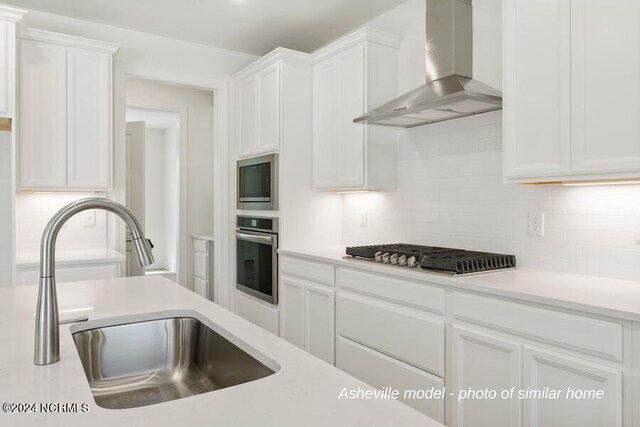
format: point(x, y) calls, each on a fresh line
point(153, 186)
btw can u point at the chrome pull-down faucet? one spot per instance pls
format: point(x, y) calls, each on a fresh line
point(47, 343)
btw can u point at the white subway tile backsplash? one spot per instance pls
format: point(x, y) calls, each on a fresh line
point(451, 194)
point(33, 212)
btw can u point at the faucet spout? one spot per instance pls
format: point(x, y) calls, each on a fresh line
point(47, 341)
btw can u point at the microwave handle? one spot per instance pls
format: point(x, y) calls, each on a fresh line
point(269, 240)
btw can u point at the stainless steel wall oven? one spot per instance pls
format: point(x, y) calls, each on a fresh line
point(257, 257)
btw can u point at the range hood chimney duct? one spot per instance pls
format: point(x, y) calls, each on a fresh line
point(450, 91)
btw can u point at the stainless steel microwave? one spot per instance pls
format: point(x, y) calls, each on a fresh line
point(258, 183)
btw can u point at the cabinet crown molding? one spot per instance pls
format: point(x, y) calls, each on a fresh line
point(364, 34)
point(11, 14)
point(35, 34)
point(275, 55)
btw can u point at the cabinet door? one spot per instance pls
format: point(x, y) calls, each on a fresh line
point(43, 116)
point(5, 63)
point(483, 361)
point(247, 117)
point(605, 58)
point(325, 120)
point(268, 108)
point(351, 104)
point(559, 372)
point(320, 315)
point(536, 88)
point(292, 324)
point(89, 119)
point(379, 370)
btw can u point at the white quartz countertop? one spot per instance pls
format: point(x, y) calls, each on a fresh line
point(304, 392)
point(32, 259)
point(598, 295)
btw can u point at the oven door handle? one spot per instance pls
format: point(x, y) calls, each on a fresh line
point(256, 238)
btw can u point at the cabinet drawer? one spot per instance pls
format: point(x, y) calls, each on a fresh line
point(379, 371)
point(199, 245)
point(600, 337)
point(309, 270)
point(401, 332)
point(404, 291)
point(200, 265)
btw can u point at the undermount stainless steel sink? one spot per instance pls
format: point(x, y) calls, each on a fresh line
point(144, 363)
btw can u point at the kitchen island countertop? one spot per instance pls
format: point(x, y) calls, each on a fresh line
point(303, 392)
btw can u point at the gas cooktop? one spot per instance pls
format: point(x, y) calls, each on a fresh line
point(435, 259)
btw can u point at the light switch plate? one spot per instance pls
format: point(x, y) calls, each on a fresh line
point(363, 219)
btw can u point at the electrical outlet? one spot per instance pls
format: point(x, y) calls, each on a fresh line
point(363, 219)
point(89, 219)
point(536, 224)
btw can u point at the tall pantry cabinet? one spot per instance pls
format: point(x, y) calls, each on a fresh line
point(65, 91)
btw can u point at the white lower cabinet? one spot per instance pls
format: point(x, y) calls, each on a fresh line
point(484, 361)
point(308, 317)
point(319, 322)
point(390, 334)
point(557, 371)
point(411, 335)
point(203, 267)
point(380, 370)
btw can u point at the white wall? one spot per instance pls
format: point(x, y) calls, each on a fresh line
point(199, 106)
point(408, 21)
point(152, 56)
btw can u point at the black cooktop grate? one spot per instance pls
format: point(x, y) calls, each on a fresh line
point(458, 261)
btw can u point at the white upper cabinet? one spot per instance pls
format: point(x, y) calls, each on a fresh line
point(571, 92)
point(259, 112)
point(338, 99)
point(268, 108)
point(9, 16)
point(350, 77)
point(65, 121)
point(605, 87)
point(89, 119)
point(247, 116)
point(536, 88)
point(325, 115)
point(43, 115)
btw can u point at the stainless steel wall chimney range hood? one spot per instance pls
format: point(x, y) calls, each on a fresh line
point(450, 92)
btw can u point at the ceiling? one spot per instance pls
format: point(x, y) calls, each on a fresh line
point(251, 26)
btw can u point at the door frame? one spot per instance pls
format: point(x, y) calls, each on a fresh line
point(183, 185)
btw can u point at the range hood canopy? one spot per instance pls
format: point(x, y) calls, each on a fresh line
point(450, 91)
